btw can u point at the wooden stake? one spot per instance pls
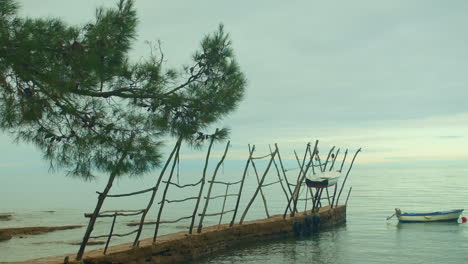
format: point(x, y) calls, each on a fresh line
point(163, 199)
point(283, 170)
point(110, 233)
point(200, 224)
point(207, 159)
point(279, 178)
point(241, 186)
point(344, 181)
point(258, 188)
point(224, 203)
point(155, 189)
point(98, 207)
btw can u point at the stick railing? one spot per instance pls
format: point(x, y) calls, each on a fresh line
point(155, 189)
point(114, 218)
point(259, 186)
point(210, 188)
point(166, 188)
point(184, 186)
point(242, 185)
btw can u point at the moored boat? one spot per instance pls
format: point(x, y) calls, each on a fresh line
point(323, 179)
point(441, 216)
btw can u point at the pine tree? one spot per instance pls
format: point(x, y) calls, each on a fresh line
point(74, 93)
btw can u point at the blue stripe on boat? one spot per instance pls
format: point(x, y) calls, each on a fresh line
point(434, 213)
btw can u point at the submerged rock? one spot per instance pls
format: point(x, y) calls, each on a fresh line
point(8, 233)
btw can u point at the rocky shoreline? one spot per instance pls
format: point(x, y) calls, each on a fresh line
point(8, 233)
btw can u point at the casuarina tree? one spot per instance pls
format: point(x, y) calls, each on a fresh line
point(74, 92)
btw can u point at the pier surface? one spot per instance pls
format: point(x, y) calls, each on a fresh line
point(181, 246)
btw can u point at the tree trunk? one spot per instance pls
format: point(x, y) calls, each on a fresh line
point(101, 198)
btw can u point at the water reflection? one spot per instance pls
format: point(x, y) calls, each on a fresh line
point(321, 248)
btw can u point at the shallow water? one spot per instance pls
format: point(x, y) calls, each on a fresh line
point(366, 237)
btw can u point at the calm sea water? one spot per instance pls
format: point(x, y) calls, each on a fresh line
point(367, 237)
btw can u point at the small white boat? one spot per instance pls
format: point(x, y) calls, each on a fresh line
point(443, 216)
point(323, 179)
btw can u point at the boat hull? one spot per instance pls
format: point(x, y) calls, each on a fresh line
point(321, 183)
point(323, 179)
point(445, 216)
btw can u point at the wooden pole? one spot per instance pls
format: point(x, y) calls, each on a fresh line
point(347, 197)
point(316, 153)
point(259, 186)
point(301, 179)
point(331, 167)
point(334, 159)
point(110, 233)
point(283, 170)
point(328, 196)
point(224, 204)
point(328, 157)
point(241, 186)
point(200, 224)
point(163, 199)
point(279, 178)
point(207, 159)
point(344, 158)
point(297, 189)
point(155, 189)
point(261, 191)
point(101, 198)
point(344, 181)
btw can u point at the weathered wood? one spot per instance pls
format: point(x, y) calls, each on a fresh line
point(259, 187)
point(347, 174)
point(180, 200)
point(222, 195)
point(129, 194)
point(200, 192)
point(334, 159)
point(279, 177)
point(283, 170)
point(347, 197)
point(344, 158)
point(226, 183)
point(261, 191)
point(118, 212)
point(220, 213)
point(224, 203)
point(174, 221)
point(184, 186)
point(261, 157)
point(176, 155)
point(336, 185)
point(316, 154)
point(301, 176)
point(334, 195)
point(271, 183)
point(110, 233)
point(117, 235)
point(242, 185)
point(99, 204)
point(295, 195)
point(207, 199)
point(328, 157)
point(153, 194)
point(328, 196)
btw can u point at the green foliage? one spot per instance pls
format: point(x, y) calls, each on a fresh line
point(73, 92)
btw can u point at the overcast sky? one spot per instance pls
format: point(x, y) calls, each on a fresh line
point(387, 76)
